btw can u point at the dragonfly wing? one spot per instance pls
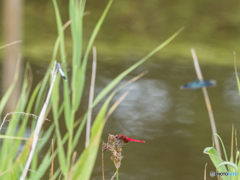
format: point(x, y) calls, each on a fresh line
point(61, 71)
point(191, 85)
point(199, 84)
point(44, 67)
point(209, 83)
point(135, 140)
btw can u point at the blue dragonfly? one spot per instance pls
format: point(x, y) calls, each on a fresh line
point(199, 84)
point(59, 68)
point(44, 68)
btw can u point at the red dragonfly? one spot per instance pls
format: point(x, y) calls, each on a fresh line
point(126, 139)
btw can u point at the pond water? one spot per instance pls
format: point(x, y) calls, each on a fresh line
point(173, 122)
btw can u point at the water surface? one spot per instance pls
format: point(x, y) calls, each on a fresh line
point(173, 122)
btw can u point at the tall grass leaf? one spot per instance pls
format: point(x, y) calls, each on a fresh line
point(56, 173)
point(6, 96)
point(44, 166)
point(72, 15)
point(33, 166)
point(60, 30)
point(81, 74)
point(237, 156)
point(57, 42)
point(22, 102)
point(28, 110)
point(10, 89)
point(6, 147)
point(45, 137)
point(236, 73)
point(61, 154)
point(76, 16)
point(95, 32)
point(42, 93)
point(13, 137)
point(67, 108)
point(224, 150)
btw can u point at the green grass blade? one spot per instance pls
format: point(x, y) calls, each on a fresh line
point(224, 150)
point(42, 93)
point(228, 163)
point(43, 166)
point(28, 110)
point(236, 73)
point(13, 137)
point(63, 57)
point(9, 90)
point(95, 32)
point(78, 87)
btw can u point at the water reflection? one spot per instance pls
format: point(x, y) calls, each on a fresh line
point(147, 102)
point(231, 93)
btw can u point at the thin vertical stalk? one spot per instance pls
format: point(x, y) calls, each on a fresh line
point(72, 164)
point(232, 144)
point(103, 165)
point(117, 173)
point(39, 124)
point(70, 142)
point(52, 160)
point(205, 172)
point(207, 100)
point(94, 64)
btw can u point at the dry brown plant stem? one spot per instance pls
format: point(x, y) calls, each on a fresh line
point(205, 172)
point(91, 96)
point(207, 100)
point(52, 160)
point(103, 164)
point(39, 124)
point(72, 164)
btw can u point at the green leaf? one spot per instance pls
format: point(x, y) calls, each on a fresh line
point(236, 73)
point(78, 87)
point(228, 163)
point(211, 151)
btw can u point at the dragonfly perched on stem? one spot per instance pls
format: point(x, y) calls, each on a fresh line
point(126, 139)
point(59, 68)
point(45, 67)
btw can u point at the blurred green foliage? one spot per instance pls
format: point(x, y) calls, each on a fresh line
point(133, 28)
